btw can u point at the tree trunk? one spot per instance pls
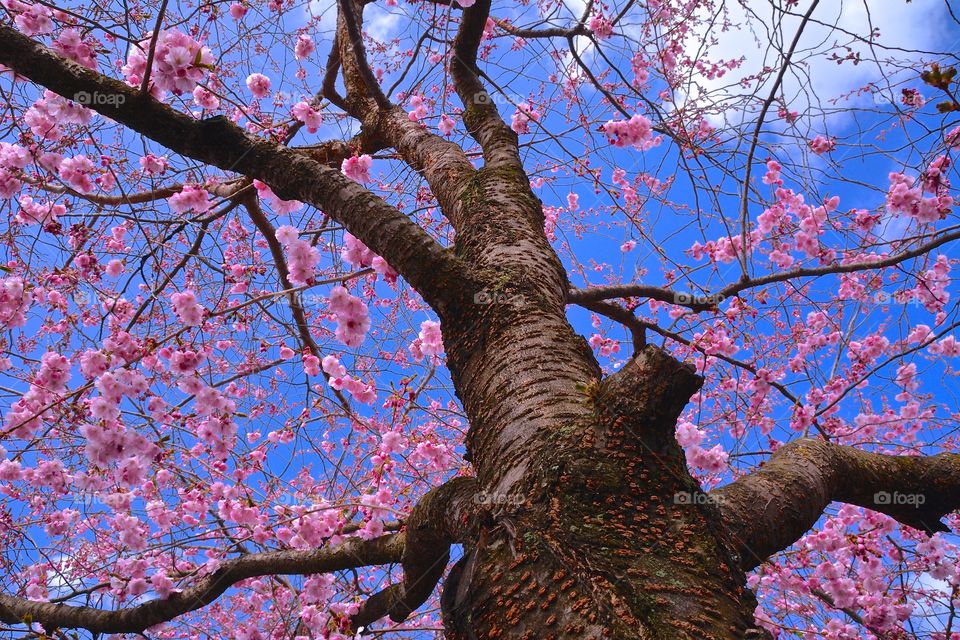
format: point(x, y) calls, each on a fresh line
point(605, 535)
point(592, 525)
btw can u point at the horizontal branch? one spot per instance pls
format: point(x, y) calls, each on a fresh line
point(140, 197)
point(352, 554)
point(773, 507)
point(217, 141)
point(610, 292)
point(707, 302)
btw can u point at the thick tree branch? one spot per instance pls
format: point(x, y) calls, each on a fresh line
point(771, 508)
point(579, 29)
point(443, 164)
point(141, 197)
point(351, 554)
point(444, 516)
point(590, 295)
point(329, 85)
point(217, 141)
point(333, 152)
point(354, 41)
point(651, 389)
point(480, 115)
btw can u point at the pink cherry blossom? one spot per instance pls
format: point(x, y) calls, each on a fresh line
point(431, 340)
point(418, 109)
point(188, 310)
point(353, 320)
point(76, 172)
point(153, 165)
point(636, 132)
point(357, 168)
point(302, 258)
point(191, 198)
point(238, 10)
point(32, 19)
point(447, 124)
point(602, 28)
point(309, 116)
point(205, 99)
point(259, 85)
point(114, 268)
point(820, 145)
point(521, 118)
point(179, 64)
point(70, 44)
point(185, 362)
point(304, 47)
point(358, 255)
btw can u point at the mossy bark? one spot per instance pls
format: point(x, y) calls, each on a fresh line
point(592, 527)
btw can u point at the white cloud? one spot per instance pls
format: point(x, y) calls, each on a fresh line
point(378, 23)
point(905, 32)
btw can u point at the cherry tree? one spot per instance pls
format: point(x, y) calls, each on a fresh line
point(452, 318)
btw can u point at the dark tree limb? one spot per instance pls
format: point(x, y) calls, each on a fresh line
point(710, 301)
point(292, 175)
point(333, 152)
point(652, 388)
point(354, 40)
point(443, 164)
point(498, 141)
point(771, 508)
point(444, 516)
point(662, 294)
point(351, 554)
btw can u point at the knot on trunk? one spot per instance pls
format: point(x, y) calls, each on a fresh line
point(650, 391)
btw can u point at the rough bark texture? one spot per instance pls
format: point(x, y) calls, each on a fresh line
point(770, 509)
point(593, 542)
point(590, 524)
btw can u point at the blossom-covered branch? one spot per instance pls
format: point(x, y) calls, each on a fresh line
point(772, 507)
point(703, 302)
point(353, 553)
point(217, 141)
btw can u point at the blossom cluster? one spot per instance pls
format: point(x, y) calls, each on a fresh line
point(180, 63)
point(302, 258)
